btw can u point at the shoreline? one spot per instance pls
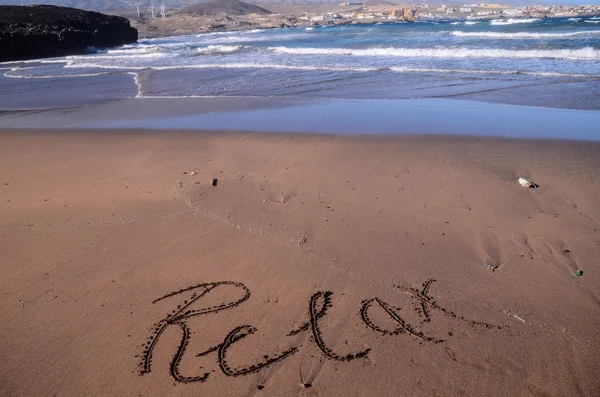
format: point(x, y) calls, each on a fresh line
point(333, 116)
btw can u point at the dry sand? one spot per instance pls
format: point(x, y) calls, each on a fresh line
point(329, 236)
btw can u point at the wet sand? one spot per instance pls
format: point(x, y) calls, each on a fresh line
point(319, 265)
point(328, 116)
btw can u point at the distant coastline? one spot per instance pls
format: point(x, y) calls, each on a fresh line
point(179, 25)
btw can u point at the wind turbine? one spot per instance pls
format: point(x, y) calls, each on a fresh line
point(162, 9)
point(152, 8)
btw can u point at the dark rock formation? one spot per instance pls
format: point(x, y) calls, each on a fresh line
point(47, 31)
point(229, 7)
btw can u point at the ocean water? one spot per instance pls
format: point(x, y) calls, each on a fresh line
point(538, 62)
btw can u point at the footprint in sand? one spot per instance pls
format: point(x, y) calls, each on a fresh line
point(560, 255)
point(523, 246)
point(489, 248)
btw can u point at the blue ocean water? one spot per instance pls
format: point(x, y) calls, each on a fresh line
point(552, 62)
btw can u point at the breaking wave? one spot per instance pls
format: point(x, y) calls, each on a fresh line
point(466, 23)
point(512, 21)
point(66, 76)
point(587, 53)
point(82, 65)
point(468, 71)
point(253, 65)
point(110, 56)
point(219, 49)
point(29, 61)
point(249, 38)
point(142, 49)
point(395, 69)
point(523, 35)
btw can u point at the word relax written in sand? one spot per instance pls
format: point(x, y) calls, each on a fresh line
point(318, 305)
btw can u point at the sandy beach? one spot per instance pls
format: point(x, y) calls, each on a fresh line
point(318, 265)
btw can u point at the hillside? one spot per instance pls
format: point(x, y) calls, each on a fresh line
point(229, 7)
point(370, 3)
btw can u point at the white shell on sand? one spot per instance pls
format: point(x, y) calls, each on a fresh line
point(524, 182)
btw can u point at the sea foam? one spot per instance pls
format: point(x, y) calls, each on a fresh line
point(524, 35)
point(218, 49)
point(512, 21)
point(587, 53)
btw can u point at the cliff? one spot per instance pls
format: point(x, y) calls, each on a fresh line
point(47, 31)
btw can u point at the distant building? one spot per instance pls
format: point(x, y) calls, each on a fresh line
point(398, 13)
point(409, 14)
point(331, 16)
point(514, 11)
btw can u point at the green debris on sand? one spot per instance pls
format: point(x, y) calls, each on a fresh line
point(578, 273)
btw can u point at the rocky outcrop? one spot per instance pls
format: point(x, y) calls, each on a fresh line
point(47, 31)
